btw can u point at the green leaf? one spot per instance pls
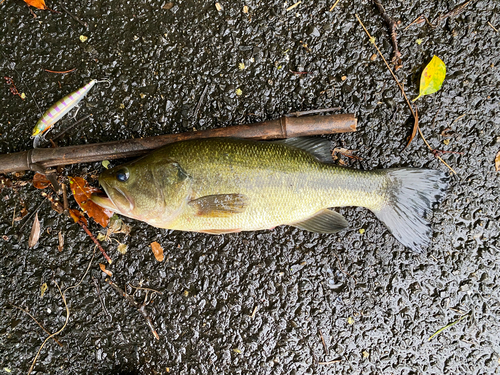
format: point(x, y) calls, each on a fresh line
point(432, 77)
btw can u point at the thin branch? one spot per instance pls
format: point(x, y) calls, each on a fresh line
point(37, 322)
point(415, 116)
point(55, 333)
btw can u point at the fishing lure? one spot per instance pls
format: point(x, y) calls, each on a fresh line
point(58, 110)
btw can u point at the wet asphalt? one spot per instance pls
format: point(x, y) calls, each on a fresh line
point(273, 302)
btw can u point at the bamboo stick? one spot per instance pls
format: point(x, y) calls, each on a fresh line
point(284, 127)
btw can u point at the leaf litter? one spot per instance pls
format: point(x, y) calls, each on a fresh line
point(82, 191)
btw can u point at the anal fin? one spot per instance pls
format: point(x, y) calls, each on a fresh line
point(324, 221)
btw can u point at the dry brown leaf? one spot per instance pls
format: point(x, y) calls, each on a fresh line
point(157, 251)
point(82, 191)
point(40, 181)
point(40, 4)
point(344, 152)
point(61, 241)
point(35, 232)
point(77, 216)
point(103, 269)
point(497, 162)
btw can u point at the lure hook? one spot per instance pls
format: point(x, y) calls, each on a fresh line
point(104, 80)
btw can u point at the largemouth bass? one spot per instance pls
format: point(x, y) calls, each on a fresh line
point(229, 185)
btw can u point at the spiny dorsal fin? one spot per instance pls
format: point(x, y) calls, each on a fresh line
point(221, 205)
point(319, 147)
point(324, 221)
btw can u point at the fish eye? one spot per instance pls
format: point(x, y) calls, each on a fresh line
point(122, 175)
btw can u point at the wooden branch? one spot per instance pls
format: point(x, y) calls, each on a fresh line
point(284, 127)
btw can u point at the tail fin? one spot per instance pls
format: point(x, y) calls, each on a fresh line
point(410, 194)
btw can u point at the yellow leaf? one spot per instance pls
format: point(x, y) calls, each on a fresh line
point(432, 77)
point(43, 289)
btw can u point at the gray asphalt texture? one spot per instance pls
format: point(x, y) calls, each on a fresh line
point(257, 302)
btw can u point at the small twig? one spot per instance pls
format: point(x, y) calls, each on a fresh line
point(14, 214)
point(101, 299)
point(84, 24)
point(65, 198)
point(83, 277)
point(55, 333)
point(330, 362)
point(202, 96)
point(452, 13)
point(82, 224)
point(140, 308)
point(415, 115)
point(327, 353)
point(37, 322)
point(143, 288)
point(493, 27)
point(294, 5)
point(30, 216)
point(447, 326)
point(59, 72)
point(334, 5)
point(254, 311)
point(304, 113)
point(71, 126)
point(27, 87)
point(291, 71)
point(391, 24)
point(440, 152)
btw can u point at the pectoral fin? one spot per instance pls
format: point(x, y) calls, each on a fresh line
point(324, 221)
point(222, 205)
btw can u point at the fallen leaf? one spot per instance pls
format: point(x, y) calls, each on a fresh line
point(35, 232)
point(82, 191)
point(40, 4)
point(77, 216)
point(344, 152)
point(103, 269)
point(432, 77)
point(497, 162)
point(40, 181)
point(116, 225)
point(43, 289)
point(157, 251)
point(61, 241)
point(350, 320)
point(122, 248)
point(168, 6)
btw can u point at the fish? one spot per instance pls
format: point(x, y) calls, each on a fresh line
point(227, 185)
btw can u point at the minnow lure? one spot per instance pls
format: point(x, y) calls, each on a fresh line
point(58, 110)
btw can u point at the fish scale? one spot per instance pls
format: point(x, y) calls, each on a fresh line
point(285, 184)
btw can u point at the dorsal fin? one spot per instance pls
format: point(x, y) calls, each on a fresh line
point(318, 147)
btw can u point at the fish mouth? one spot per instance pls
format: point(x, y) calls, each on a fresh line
point(104, 201)
point(114, 199)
